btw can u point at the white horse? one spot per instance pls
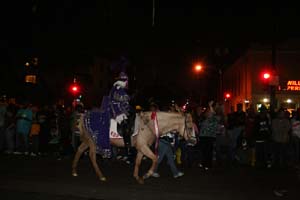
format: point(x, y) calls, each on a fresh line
point(149, 126)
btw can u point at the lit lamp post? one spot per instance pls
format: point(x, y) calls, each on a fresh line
point(199, 68)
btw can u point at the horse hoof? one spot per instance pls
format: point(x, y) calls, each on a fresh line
point(103, 179)
point(74, 174)
point(140, 180)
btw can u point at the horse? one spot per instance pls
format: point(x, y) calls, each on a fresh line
point(148, 127)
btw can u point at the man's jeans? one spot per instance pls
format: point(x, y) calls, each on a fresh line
point(165, 149)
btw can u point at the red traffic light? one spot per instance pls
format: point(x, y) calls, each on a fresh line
point(74, 89)
point(266, 76)
point(227, 95)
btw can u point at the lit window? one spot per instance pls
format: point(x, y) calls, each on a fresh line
point(30, 79)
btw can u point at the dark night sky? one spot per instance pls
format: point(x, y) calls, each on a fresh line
point(66, 32)
point(85, 27)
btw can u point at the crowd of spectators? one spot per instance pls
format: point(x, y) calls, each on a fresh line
point(253, 137)
point(27, 129)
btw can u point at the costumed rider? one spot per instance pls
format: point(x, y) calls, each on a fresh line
point(120, 107)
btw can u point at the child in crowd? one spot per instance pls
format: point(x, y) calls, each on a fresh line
point(34, 135)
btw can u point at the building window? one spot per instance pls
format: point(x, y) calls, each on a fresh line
point(30, 79)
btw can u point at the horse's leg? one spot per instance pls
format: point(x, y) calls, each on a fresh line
point(82, 147)
point(138, 161)
point(93, 157)
point(147, 152)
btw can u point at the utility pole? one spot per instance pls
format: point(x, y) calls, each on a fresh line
point(153, 13)
point(273, 101)
point(273, 87)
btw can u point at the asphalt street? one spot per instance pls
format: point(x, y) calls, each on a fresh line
point(38, 178)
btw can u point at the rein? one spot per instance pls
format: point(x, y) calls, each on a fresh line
point(154, 117)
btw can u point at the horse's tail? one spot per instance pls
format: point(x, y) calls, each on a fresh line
point(80, 125)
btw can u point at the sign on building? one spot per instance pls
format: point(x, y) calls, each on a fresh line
point(293, 85)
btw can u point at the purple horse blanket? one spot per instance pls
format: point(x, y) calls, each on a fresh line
point(97, 122)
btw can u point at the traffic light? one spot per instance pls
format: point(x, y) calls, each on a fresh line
point(266, 76)
point(266, 79)
point(269, 77)
point(227, 96)
point(74, 89)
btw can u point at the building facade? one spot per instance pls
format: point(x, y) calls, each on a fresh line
point(245, 82)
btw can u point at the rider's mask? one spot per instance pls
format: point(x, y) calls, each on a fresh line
point(121, 84)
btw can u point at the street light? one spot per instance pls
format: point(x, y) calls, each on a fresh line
point(265, 100)
point(198, 68)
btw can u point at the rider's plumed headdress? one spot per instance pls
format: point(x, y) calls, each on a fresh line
point(123, 76)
